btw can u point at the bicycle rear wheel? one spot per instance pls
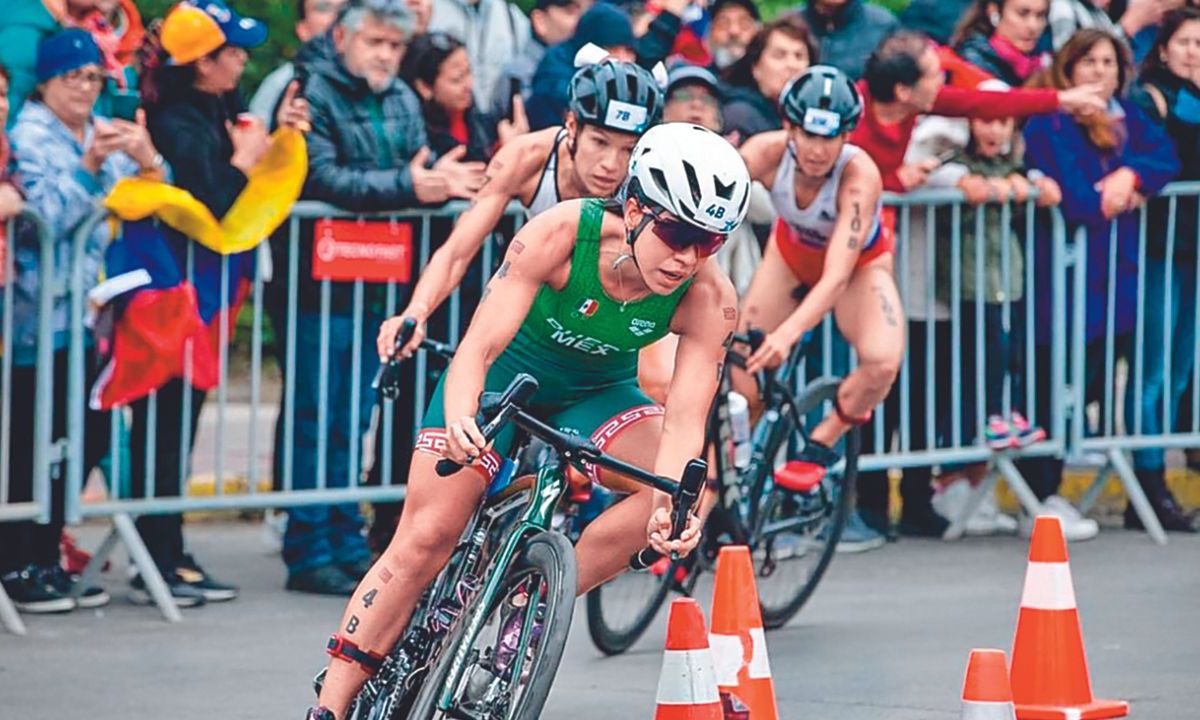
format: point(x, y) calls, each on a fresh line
point(800, 532)
point(491, 687)
point(620, 610)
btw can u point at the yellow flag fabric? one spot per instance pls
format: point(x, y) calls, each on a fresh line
point(274, 186)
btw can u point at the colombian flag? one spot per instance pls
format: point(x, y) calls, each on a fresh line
point(169, 324)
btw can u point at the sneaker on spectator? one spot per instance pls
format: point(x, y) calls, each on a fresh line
point(185, 595)
point(1025, 432)
point(190, 572)
point(999, 433)
point(1076, 527)
point(858, 537)
point(31, 592)
point(987, 518)
point(91, 597)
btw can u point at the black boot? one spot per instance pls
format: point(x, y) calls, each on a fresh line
point(1170, 515)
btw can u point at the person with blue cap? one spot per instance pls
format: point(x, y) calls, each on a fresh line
point(67, 161)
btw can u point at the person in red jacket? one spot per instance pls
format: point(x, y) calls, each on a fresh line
point(905, 78)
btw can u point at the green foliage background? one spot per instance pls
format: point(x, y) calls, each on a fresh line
point(280, 16)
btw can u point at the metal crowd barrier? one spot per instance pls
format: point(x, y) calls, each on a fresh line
point(428, 230)
point(925, 426)
point(37, 506)
point(1163, 337)
point(922, 424)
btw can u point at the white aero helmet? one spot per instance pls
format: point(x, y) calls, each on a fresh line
point(692, 173)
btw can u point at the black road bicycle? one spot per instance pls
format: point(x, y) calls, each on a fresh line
point(486, 637)
point(792, 535)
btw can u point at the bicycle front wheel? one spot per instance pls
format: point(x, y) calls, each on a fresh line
point(620, 610)
point(532, 611)
point(800, 532)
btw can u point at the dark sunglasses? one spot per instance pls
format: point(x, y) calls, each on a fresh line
point(679, 236)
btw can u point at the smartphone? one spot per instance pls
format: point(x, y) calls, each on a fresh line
point(125, 106)
point(514, 89)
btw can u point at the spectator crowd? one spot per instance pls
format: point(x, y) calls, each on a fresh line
point(1091, 106)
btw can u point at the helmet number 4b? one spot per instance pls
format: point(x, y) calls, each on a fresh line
point(715, 211)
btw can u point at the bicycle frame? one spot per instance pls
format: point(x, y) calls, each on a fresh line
point(780, 418)
point(548, 488)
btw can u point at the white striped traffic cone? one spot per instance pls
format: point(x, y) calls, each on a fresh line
point(986, 693)
point(1049, 668)
point(687, 688)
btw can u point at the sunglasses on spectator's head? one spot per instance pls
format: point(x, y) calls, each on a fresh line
point(680, 236)
point(440, 40)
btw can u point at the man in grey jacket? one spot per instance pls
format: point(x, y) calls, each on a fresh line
point(367, 152)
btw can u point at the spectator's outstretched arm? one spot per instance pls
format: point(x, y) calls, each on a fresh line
point(352, 188)
point(992, 105)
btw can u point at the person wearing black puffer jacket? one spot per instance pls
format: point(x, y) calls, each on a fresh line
point(367, 152)
point(1169, 93)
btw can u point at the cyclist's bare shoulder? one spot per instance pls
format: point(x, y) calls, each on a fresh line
point(762, 153)
point(545, 244)
point(517, 166)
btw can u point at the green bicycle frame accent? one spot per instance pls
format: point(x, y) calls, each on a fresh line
point(547, 490)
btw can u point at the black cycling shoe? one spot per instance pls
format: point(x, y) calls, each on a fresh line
point(322, 580)
point(319, 713)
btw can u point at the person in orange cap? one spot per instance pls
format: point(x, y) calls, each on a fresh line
point(198, 122)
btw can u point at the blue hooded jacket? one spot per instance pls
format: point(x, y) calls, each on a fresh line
point(605, 25)
point(1059, 146)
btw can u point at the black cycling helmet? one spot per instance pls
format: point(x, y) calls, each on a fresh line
point(822, 101)
point(616, 95)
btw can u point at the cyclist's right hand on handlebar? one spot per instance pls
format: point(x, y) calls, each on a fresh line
point(658, 532)
point(385, 342)
point(464, 441)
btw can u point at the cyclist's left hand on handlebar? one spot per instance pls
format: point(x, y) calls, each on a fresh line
point(385, 342)
point(658, 532)
point(464, 442)
point(771, 354)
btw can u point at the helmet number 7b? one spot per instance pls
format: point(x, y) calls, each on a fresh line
point(715, 211)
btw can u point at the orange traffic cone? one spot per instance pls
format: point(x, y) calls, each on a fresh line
point(737, 638)
point(986, 693)
point(687, 688)
point(1049, 669)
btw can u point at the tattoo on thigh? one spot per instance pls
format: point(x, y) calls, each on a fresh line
point(517, 247)
point(369, 599)
point(889, 312)
point(729, 313)
point(385, 576)
point(352, 625)
point(503, 271)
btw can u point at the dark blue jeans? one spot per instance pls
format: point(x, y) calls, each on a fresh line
point(324, 534)
point(1164, 336)
point(1003, 358)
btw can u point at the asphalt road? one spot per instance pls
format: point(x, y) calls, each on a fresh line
point(885, 638)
